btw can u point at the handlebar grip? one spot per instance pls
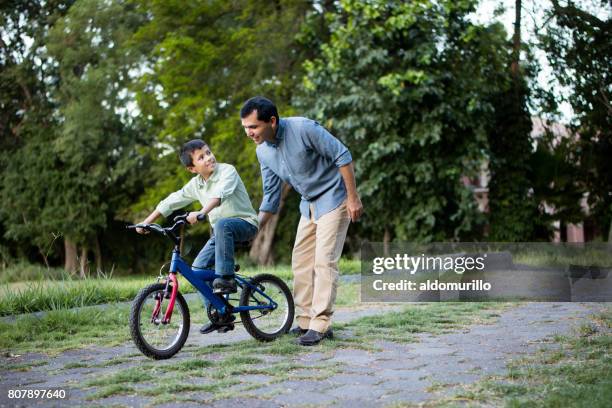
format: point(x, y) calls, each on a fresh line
point(201, 217)
point(144, 226)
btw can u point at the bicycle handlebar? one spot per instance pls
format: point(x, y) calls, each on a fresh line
point(168, 231)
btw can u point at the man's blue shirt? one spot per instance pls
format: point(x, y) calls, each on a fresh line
point(307, 157)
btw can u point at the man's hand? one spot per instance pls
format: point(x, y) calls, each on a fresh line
point(354, 208)
point(192, 218)
point(353, 202)
point(142, 230)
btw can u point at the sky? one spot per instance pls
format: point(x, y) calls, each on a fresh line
point(532, 16)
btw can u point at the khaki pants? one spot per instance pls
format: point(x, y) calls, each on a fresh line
point(317, 250)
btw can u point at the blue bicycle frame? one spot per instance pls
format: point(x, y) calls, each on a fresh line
point(197, 277)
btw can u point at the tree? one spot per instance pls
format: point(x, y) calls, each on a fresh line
point(514, 215)
point(27, 126)
point(70, 177)
point(205, 59)
point(96, 143)
point(405, 85)
point(577, 42)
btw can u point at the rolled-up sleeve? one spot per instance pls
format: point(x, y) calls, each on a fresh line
point(177, 200)
point(320, 140)
point(227, 183)
point(271, 190)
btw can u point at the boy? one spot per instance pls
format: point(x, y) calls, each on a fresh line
point(218, 187)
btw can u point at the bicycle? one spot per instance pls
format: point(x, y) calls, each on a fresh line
point(160, 329)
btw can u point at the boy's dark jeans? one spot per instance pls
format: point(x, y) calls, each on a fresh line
point(219, 250)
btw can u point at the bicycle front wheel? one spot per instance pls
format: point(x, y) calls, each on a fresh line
point(154, 338)
point(267, 324)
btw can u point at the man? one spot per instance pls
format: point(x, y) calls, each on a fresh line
point(302, 153)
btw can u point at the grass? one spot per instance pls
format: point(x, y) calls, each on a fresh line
point(25, 366)
point(578, 374)
point(110, 391)
point(555, 255)
point(222, 370)
point(67, 292)
point(60, 329)
point(23, 271)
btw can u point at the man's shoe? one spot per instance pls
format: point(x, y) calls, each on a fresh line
point(297, 331)
point(313, 337)
point(224, 285)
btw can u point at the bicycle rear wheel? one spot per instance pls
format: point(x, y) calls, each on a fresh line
point(152, 337)
point(267, 324)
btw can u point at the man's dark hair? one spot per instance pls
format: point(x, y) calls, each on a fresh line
point(188, 148)
point(264, 107)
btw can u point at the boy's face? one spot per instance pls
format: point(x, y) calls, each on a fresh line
point(204, 162)
point(258, 130)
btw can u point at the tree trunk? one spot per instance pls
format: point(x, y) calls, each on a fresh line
point(516, 40)
point(261, 251)
point(386, 241)
point(98, 256)
point(70, 251)
point(84, 269)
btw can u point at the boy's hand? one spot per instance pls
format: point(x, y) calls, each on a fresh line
point(192, 218)
point(151, 218)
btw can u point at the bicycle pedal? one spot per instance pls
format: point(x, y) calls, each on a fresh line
point(226, 328)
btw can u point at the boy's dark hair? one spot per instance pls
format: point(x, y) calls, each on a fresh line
point(265, 108)
point(188, 148)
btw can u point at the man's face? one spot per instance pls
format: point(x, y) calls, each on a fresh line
point(204, 162)
point(258, 130)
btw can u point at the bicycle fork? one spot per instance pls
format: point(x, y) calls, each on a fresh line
point(159, 298)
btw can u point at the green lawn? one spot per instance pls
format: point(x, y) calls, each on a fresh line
point(66, 292)
point(62, 329)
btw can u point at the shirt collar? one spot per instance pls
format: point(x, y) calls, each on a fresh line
point(280, 133)
point(213, 177)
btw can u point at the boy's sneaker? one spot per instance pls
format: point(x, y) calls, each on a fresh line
point(224, 285)
point(220, 328)
point(209, 328)
point(225, 328)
